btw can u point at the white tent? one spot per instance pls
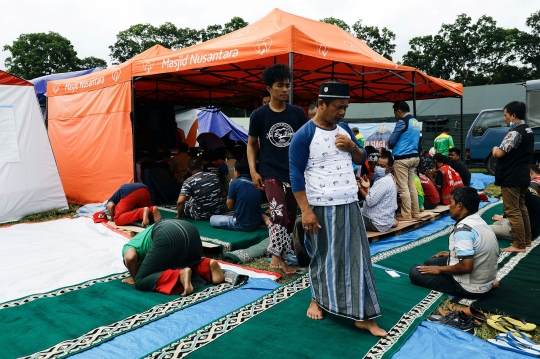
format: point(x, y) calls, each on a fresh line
point(29, 179)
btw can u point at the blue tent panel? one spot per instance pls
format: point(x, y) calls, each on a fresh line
point(213, 120)
point(40, 83)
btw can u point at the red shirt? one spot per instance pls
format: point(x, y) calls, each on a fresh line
point(431, 195)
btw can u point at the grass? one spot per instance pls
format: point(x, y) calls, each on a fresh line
point(478, 170)
point(492, 191)
point(48, 215)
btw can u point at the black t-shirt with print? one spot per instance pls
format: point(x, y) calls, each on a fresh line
point(275, 131)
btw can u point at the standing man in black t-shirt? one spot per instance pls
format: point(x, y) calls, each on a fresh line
point(273, 126)
point(458, 166)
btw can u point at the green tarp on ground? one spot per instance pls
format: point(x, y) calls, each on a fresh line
point(277, 326)
point(87, 315)
point(227, 240)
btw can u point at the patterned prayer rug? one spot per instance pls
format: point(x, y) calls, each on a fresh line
point(73, 319)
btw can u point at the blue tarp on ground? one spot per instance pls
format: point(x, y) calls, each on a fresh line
point(432, 340)
point(40, 83)
point(153, 336)
point(479, 181)
point(214, 121)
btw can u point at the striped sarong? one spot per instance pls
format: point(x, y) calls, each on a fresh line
point(340, 270)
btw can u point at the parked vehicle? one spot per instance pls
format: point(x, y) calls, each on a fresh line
point(489, 129)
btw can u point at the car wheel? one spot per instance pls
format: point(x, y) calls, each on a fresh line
point(490, 164)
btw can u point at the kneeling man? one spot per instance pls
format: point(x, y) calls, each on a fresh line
point(469, 269)
point(130, 203)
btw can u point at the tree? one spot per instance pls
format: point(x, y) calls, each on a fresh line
point(339, 23)
point(92, 63)
point(528, 45)
point(40, 54)
point(381, 43)
point(140, 37)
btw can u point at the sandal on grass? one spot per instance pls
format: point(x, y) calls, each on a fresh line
point(502, 326)
point(523, 340)
point(502, 341)
point(515, 321)
point(479, 317)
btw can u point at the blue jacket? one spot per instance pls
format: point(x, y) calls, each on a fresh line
point(405, 138)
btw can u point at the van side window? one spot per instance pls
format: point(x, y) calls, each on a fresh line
point(488, 120)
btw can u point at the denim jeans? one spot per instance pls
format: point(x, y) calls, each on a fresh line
point(223, 222)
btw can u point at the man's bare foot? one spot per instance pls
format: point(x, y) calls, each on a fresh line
point(217, 272)
point(496, 284)
point(145, 217)
point(185, 280)
point(156, 214)
point(373, 328)
point(513, 249)
point(314, 311)
point(279, 263)
point(128, 280)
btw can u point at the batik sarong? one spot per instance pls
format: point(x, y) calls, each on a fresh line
point(340, 270)
point(283, 208)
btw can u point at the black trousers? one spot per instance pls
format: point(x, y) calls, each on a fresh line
point(440, 282)
point(175, 244)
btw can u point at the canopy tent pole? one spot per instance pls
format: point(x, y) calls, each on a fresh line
point(414, 93)
point(333, 62)
point(133, 131)
point(461, 123)
point(292, 77)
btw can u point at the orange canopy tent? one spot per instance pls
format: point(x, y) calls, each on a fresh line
point(89, 117)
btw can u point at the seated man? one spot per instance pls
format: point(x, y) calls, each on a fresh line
point(130, 203)
point(502, 227)
point(162, 186)
point(381, 199)
point(163, 257)
point(444, 178)
point(178, 165)
point(431, 195)
point(245, 199)
point(460, 167)
point(534, 171)
point(200, 196)
point(469, 269)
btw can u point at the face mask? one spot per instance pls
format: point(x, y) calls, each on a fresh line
point(379, 171)
point(512, 124)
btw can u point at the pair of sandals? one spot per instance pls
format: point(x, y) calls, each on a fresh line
point(516, 341)
point(478, 317)
point(506, 323)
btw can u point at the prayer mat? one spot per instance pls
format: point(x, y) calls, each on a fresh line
point(519, 291)
point(277, 325)
point(227, 240)
point(72, 319)
point(248, 254)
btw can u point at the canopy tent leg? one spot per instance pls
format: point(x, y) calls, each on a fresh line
point(461, 124)
point(133, 130)
point(291, 59)
point(414, 93)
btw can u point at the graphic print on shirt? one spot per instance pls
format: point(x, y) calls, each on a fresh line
point(280, 134)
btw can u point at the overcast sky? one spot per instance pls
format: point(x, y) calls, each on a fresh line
point(92, 26)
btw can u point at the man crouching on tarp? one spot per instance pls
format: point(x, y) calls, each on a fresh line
point(322, 152)
point(167, 258)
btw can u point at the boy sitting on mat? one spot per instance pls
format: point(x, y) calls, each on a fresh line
point(130, 203)
point(246, 201)
point(167, 258)
point(469, 269)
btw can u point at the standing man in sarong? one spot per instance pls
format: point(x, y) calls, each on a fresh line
point(340, 272)
point(274, 126)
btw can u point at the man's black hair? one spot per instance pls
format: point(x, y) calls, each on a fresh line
point(516, 108)
point(370, 149)
point(166, 153)
point(438, 157)
point(468, 197)
point(184, 147)
point(219, 153)
point(455, 150)
point(445, 129)
point(195, 164)
point(276, 73)
point(388, 156)
point(401, 105)
point(355, 130)
point(312, 106)
point(535, 169)
point(242, 166)
point(265, 94)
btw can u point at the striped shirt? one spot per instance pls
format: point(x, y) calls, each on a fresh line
point(381, 203)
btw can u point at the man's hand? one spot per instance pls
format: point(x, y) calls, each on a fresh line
point(442, 254)
point(310, 223)
point(257, 181)
point(364, 181)
point(429, 269)
point(344, 143)
point(497, 217)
